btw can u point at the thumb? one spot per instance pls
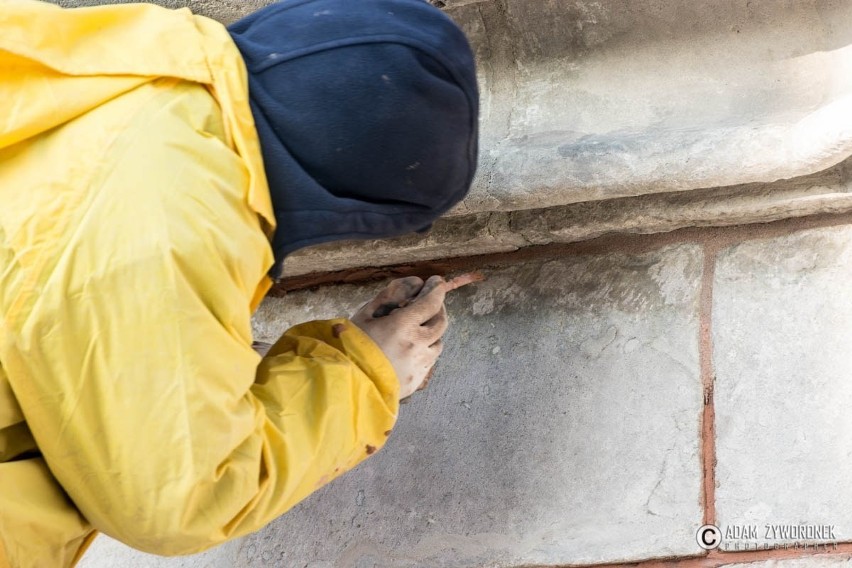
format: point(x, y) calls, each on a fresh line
point(429, 302)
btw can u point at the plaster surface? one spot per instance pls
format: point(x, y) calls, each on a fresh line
point(782, 319)
point(828, 191)
point(808, 562)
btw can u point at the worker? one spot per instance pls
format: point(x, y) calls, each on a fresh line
point(156, 169)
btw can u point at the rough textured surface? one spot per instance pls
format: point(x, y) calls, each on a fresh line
point(561, 426)
point(811, 562)
point(598, 99)
point(829, 191)
point(782, 322)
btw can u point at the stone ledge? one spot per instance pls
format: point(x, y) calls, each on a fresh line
point(829, 191)
point(596, 100)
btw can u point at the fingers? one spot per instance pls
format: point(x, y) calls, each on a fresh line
point(393, 295)
point(430, 284)
point(409, 336)
point(435, 351)
point(404, 288)
point(428, 303)
point(435, 328)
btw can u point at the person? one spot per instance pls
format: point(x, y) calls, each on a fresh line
point(156, 169)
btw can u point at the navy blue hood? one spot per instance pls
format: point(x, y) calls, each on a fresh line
point(367, 112)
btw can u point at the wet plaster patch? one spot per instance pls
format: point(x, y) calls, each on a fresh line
point(782, 322)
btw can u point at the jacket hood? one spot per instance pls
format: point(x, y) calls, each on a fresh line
point(367, 114)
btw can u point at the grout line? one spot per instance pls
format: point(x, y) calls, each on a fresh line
point(617, 242)
point(708, 378)
point(712, 243)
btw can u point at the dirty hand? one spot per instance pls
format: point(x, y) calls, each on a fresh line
point(407, 320)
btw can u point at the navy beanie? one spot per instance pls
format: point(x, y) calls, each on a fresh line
point(367, 112)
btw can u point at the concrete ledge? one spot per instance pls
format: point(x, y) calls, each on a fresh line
point(595, 100)
point(829, 191)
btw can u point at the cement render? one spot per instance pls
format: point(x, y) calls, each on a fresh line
point(809, 562)
point(829, 191)
point(782, 322)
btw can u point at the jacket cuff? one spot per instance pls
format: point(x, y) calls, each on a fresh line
point(351, 340)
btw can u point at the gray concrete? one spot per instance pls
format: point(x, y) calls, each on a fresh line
point(841, 561)
point(598, 99)
point(829, 191)
point(562, 426)
point(782, 323)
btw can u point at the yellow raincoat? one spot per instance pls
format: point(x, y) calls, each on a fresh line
point(134, 217)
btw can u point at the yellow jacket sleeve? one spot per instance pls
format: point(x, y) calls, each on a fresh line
point(133, 249)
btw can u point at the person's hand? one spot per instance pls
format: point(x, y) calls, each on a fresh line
point(407, 320)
